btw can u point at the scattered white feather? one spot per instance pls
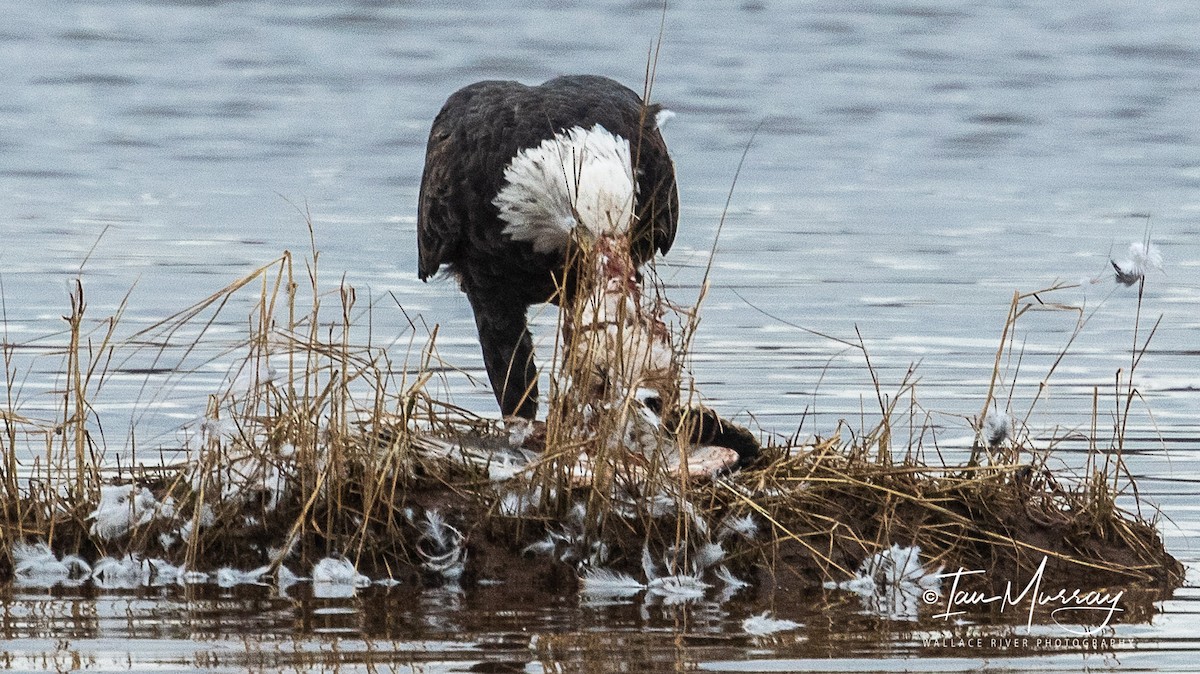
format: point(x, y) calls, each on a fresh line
point(648, 564)
point(284, 577)
point(519, 429)
point(122, 574)
point(997, 428)
point(545, 546)
point(608, 583)
point(860, 585)
point(1141, 259)
point(726, 576)
point(187, 577)
point(336, 577)
point(891, 582)
point(159, 572)
point(123, 507)
point(709, 554)
point(207, 517)
point(663, 116)
point(742, 526)
point(215, 430)
point(679, 588)
point(229, 577)
point(763, 624)
point(338, 571)
point(30, 556)
point(35, 565)
point(440, 547)
point(517, 503)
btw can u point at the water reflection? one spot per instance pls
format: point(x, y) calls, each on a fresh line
point(447, 630)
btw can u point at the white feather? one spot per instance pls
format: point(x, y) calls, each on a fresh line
point(545, 546)
point(997, 428)
point(285, 577)
point(440, 547)
point(763, 624)
point(229, 577)
point(37, 566)
point(742, 526)
point(123, 507)
point(733, 582)
point(609, 583)
point(708, 555)
point(648, 564)
point(338, 571)
point(677, 588)
point(125, 573)
point(891, 582)
point(1142, 258)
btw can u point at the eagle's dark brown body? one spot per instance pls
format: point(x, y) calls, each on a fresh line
point(478, 132)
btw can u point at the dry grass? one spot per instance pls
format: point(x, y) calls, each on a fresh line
point(323, 444)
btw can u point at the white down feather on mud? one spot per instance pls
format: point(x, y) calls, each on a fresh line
point(123, 507)
point(441, 547)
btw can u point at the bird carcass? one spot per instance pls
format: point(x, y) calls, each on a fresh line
point(619, 354)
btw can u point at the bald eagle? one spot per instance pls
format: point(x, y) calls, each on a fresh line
point(514, 174)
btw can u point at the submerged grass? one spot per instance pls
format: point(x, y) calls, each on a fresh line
point(321, 445)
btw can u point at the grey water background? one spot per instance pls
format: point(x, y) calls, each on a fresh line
point(914, 164)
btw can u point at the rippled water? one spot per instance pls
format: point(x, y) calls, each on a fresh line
point(915, 163)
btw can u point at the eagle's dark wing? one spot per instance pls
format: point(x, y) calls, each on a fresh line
point(658, 196)
point(439, 223)
point(464, 162)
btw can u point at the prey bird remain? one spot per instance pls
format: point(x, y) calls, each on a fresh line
point(514, 177)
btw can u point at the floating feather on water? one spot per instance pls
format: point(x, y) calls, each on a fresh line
point(891, 583)
point(677, 589)
point(608, 583)
point(284, 577)
point(35, 565)
point(184, 576)
point(121, 574)
point(229, 577)
point(336, 577)
point(763, 624)
point(338, 571)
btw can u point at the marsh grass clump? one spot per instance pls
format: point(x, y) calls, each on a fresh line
point(322, 451)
